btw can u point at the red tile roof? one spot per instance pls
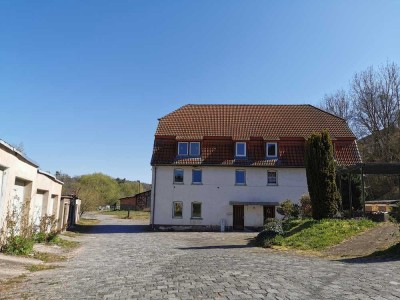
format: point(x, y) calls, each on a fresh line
point(219, 126)
point(240, 122)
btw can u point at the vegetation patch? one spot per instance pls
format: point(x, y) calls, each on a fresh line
point(41, 267)
point(8, 284)
point(19, 245)
point(63, 243)
point(48, 257)
point(318, 235)
point(71, 234)
point(88, 222)
point(133, 214)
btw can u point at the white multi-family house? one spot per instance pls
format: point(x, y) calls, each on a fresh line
point(234, 164)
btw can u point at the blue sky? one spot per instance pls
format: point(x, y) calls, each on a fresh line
point(82, 83)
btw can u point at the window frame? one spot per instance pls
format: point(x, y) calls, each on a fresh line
point(276, 149)
point(187, 149)
point(190, 149)
point(276, 177)
point(201, 176)
point(236, 181)
point(236, 149)
point(183, 176)
point(174, 216)
point(201, 208)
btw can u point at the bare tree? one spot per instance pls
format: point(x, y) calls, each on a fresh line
point(375, 98)
point(338, 104)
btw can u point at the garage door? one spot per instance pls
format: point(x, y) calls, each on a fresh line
point(38, 208)
point(1, 183)
point(17, 197)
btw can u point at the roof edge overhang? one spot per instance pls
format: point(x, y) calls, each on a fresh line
point(18, 153)
point(52, 177)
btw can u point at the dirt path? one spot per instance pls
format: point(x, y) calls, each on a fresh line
point(366, 243)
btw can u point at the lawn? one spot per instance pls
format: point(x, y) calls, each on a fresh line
point(319, 235)
point(133, 214)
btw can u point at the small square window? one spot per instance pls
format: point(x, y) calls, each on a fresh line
point(195, 149)
point(196, 210)
point(272, 178)
point(240, 177)
point(272, 150)
point(178, 176)
point(196, 176)
point(177, 209)
point(240, 149)
point(183, 148)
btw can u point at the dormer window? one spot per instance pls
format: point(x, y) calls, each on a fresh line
point(194, 148)
point(183, 148)
point(189, 148)
point(272, 150)
point(240, 149)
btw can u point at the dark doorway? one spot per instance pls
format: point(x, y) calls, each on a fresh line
point(238, 217)
point(269, 212)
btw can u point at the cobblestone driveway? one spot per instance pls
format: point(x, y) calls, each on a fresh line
point(122, 261)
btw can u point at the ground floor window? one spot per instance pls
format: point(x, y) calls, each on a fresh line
point(177, 209)
point(196, 210)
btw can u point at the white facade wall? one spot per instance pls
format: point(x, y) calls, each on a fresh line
point(218, 189)
point(15, 167)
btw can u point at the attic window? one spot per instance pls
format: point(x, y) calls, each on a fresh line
point(272, 150)
point(240, 149)
point(183, 148)
point(189, 148)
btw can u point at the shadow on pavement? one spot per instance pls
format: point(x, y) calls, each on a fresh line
point(369, 260)
point(391, 254)
point(216, 247)
point(102, 229)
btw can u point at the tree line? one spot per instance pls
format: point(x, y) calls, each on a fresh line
point(371, 107)
point(99, 189)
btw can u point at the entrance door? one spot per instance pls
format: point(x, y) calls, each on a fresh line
point(269, 212)
point(238, 217)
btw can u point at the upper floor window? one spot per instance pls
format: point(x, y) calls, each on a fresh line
point(272, 177)
point(272, 149)
point(183, 148)
point(196, 176)
point(240, 149)
point(189, 148)
point(240, 177)
point(178, 176)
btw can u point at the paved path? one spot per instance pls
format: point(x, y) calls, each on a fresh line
point(120, 260)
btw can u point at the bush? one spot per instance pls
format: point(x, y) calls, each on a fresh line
point(40, 237)
point(274, 225)
point(19, 245)
point(272, 228)
point(288, 210)
point(305, 206)
point(265, 238)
